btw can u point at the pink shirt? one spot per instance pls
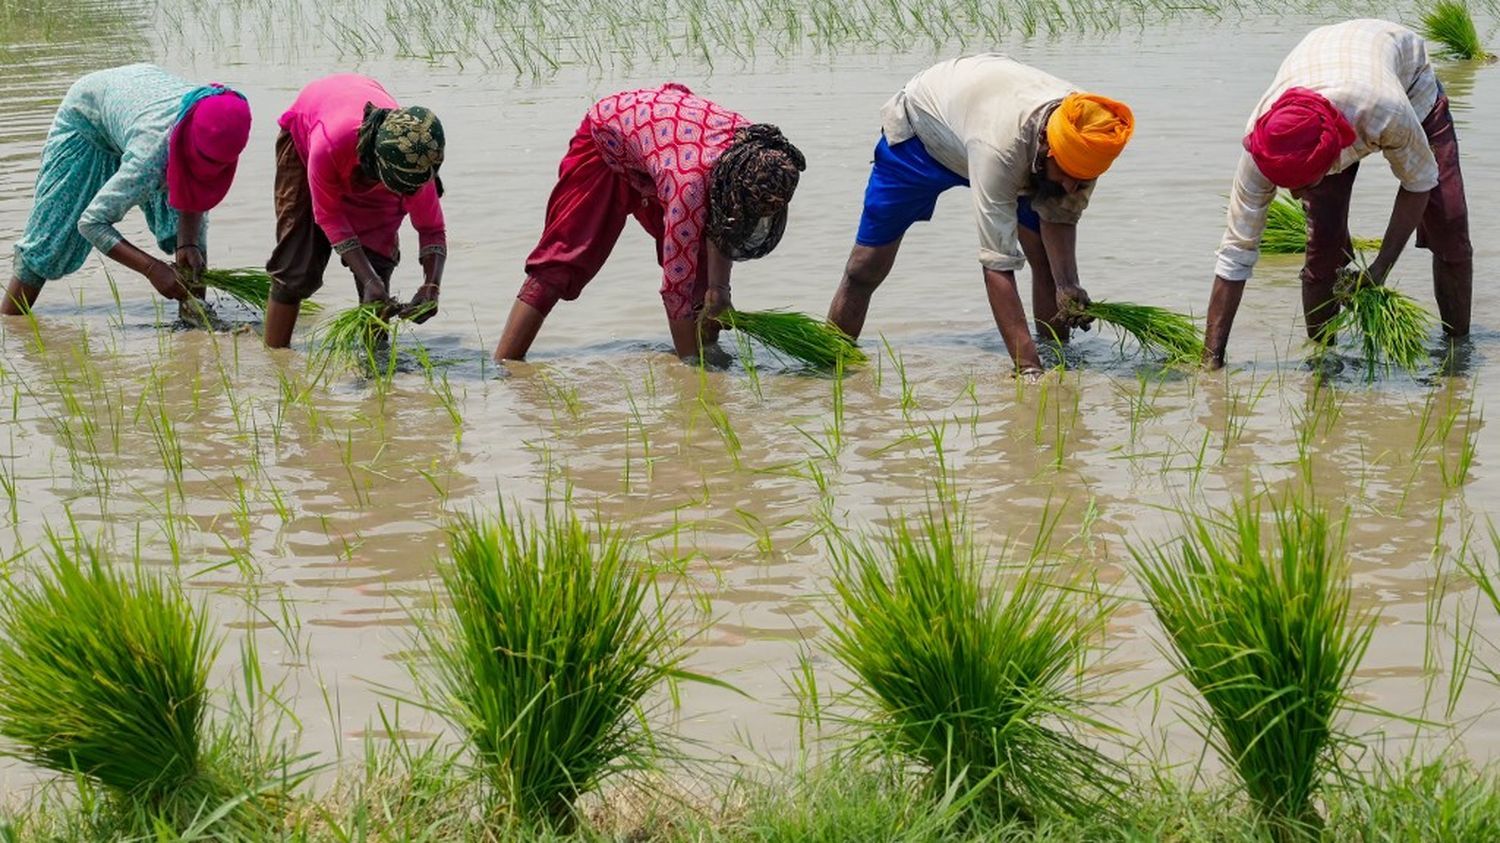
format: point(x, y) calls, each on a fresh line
point(666, 140)
point(324, 124)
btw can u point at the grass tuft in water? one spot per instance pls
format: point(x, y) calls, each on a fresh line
point(796, 337)
point(545, 655)
point(106, 677)
point(1450, 24)
point(1156, 329)
point(974, 680)
point(251, 287)
point(1392, 328)
point(1286, 229)
point(1260, 622)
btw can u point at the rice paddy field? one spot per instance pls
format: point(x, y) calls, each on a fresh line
point(306, 509)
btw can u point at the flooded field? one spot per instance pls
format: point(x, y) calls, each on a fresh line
point(308, 511)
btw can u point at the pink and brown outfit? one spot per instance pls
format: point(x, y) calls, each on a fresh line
point(322, 207)
point(646, 154)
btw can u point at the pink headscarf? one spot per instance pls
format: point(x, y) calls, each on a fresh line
point(1299, 138)
point(205, 148)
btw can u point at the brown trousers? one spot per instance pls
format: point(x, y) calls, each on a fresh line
point(302, 249)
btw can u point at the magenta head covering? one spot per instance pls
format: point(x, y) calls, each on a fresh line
point(212, 129)
point(1299, 138)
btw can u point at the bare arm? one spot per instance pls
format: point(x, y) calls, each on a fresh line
point(371, 285)
point(689, 335)
point(190, 257)
point(1223, 304)
point(1061, 243)
point(1010, 318)
point(1406, 215)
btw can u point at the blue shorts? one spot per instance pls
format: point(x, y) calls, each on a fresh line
point(904, 187)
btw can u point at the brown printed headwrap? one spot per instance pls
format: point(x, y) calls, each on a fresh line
point(402, 148)
point(749, 189)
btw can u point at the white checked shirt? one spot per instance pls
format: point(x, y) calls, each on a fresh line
point(1377, 74)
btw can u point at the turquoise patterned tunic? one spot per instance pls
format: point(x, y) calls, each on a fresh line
point(106, 153)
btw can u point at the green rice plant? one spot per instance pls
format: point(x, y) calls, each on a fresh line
point(974, 680)
point(1155, 329)
point(351, 340)
point(1286, 229)
point(105, 676)
point(796, 337)
point(545, 655)
point(249, 286)
point(1391, 326)
point(1450, 24)
point(1263, 627)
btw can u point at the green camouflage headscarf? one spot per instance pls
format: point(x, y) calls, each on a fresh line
point(402, 148)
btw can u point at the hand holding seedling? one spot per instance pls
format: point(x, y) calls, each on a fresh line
point(1072, 306)
point(424, 305)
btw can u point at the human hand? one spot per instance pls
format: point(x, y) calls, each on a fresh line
point(191, 264)
point(163, 277)
point(716, 301)
point(423, 305)
point(1072, 306)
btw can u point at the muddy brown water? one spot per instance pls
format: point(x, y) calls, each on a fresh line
point(346, 492)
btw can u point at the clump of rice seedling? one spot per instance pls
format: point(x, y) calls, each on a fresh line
point(249, 286)
point(975, 680)
point(105, 676)
point(1262, 626)
point(352, 339)
point(544, 656)
point(1391, 326)
point(1156, 329)
point(1286, 229)
point(796, 337)
point(1450, 24)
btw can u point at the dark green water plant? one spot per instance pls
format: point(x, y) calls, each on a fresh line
point(549, 645)
point(974, 678)
point(1259, 618)
point(1451, 25)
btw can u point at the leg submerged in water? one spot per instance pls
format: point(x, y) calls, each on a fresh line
point(867, 267)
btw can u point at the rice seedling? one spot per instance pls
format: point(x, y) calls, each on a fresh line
point(1263, 627)
point(545, 655)
point(1450, 24)
point(1155, 329)
point(1392, 328)
point(353, 339)
point(796, 337)
point(1286, 229)
point(105, 677)
point(251, 287)
point(972, 679)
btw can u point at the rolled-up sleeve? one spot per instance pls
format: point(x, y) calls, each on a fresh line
point(1249, 202)
point(1403, 142)
point(139, 175)
point(426, 211)
point(995, 190)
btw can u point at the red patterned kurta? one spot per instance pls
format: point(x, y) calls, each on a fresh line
point(665, 141)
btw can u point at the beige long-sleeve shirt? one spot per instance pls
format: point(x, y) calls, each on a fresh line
point(982, 117)
point(1376, 73)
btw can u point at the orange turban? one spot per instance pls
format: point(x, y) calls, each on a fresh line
point(1086, 132)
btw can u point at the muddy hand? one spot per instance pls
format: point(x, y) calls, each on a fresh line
point(423, 305)
point(163, 277)
point(1072, 306)
point(191, 265)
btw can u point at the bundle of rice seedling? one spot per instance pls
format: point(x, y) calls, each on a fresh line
point(251, 287)
point(796, 337)
point(106, 677)
point(1391, 326)
point(1286, 229)
point(1450, 24)
point(1156, 329)
point(1262, 626)
point(544, 655)
point(352, 339)
point(976, 681)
